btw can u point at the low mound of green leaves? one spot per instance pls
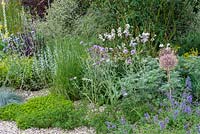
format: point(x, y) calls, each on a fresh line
point(43, 112)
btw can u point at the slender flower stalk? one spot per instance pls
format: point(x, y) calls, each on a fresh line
point(5, 18)
point(168, 61)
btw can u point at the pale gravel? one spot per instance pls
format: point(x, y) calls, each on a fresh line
point(10, 127)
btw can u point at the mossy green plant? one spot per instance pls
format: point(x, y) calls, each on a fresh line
point(44, 112)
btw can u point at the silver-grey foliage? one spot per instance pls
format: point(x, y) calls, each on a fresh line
point(8, 97)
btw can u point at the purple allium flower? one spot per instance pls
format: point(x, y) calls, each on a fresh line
point(133, 52)
point(188, 83)
point(162, 125)
point(147, 116)
point(125, 51)
point(188, 110)
point(189, 99)
point(123, 121)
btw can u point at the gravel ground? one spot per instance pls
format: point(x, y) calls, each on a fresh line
point(11, 128)
point(8, 127)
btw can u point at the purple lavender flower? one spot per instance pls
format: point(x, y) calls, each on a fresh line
point(186, 126)
point(147, 116)
point(198, 112)
point(188, 83)
point(123, 121)
point(110, 125)
point(155, 118)
point(175, 114)
point(166, 120)
point(189, 99)
point(188, 132)
point(133, 52)
point(162, 125)
point(188, 110)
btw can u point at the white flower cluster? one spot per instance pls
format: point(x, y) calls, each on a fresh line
point(162, 45)
point(112, 35)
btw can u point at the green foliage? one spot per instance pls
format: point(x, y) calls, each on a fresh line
point(99, 82)
point(190, 67)
point(20, 72)
point(159, 16)
point(60, 19)
point(9, 112)
point(191, 41)
point(14, 16)
point(68, 55)
point(44, 112)
point(26, 72)
point(8, 97)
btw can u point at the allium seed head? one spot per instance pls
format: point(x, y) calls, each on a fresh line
point(168, 60)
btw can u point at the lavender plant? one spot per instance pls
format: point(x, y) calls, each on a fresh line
point(176, 113)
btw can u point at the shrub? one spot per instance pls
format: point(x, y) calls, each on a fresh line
point(36, 7)
point(44, 112)
point(60, 19)
point(99, 82)
point(190, 67)
point(26, 72)
point(167, 19)
point(191, 41)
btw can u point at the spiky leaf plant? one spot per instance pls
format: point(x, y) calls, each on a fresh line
point(8, 97)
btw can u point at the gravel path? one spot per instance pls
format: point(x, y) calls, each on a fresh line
point(11, 128)
point(8, 127)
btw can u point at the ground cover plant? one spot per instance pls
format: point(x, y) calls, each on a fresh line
point(120, 67)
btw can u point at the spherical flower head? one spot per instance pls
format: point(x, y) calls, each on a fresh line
point(167, 59)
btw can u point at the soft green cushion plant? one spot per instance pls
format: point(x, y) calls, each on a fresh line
point(44, 112)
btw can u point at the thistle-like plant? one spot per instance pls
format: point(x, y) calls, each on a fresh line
point(8, 97)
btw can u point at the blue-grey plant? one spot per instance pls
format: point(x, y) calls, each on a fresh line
point(8, 97)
